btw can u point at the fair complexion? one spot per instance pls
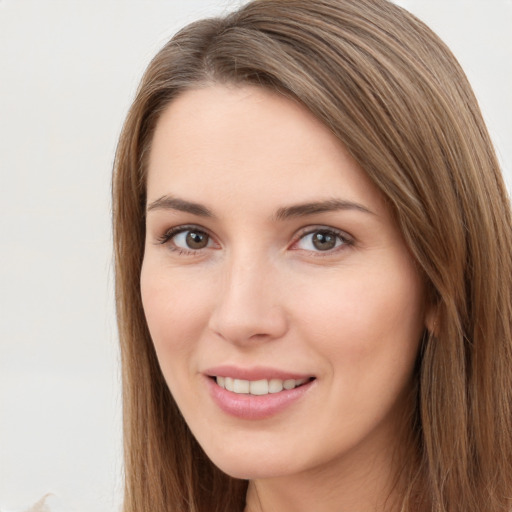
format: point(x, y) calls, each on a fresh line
point(271, 257)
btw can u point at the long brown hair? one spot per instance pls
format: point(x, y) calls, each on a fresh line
point(397, 99)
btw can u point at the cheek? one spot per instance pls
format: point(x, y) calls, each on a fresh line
point(365, 315)
point(176, 310)
point(368, 328)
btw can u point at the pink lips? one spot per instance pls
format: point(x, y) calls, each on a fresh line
point(252, 407)
point(255, 373)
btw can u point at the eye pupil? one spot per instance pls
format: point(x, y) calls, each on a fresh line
point(196, 240)
point(323, 241)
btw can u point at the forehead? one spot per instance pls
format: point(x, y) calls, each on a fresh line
point(219, 142)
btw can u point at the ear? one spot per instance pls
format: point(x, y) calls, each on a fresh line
point(432, 319)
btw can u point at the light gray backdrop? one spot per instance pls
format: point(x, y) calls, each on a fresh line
point(68, 71)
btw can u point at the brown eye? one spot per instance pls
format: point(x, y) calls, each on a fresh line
point(186, 239)
point(196, 239)
point(322, 240)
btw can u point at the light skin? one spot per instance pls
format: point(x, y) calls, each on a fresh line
point(268, 247)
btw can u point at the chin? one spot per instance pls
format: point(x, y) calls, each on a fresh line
point(251, 471)
point(250, 466)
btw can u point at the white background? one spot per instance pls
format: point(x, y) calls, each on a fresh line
point(68, 71)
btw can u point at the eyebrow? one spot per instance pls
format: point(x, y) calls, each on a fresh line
point(330, 205)
point(283, 213)
point(174, 203)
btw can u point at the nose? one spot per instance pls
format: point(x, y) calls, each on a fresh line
point(250, 304)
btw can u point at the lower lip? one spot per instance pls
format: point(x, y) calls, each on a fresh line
point(255, 407)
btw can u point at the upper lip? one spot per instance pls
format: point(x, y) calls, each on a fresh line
point(254, 373)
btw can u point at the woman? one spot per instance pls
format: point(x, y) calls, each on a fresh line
point(313, 270)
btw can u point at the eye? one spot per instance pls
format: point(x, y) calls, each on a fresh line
point(321, 240)
point(186, 238)
point(191, 240)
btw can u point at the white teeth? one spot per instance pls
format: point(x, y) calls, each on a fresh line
point(275, 385)
point(289, 384)
point(241, 386)
point(228, 383)
point(258, 387)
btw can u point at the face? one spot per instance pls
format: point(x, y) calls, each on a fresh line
point(284, 306)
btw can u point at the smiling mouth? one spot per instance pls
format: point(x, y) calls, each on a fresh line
point(259, 387)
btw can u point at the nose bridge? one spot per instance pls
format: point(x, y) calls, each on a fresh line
point(249, 305)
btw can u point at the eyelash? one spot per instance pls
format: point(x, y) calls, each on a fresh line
point(171, 233)
point(345, 239)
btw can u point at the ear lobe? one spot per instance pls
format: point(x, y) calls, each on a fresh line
point(431, 319)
